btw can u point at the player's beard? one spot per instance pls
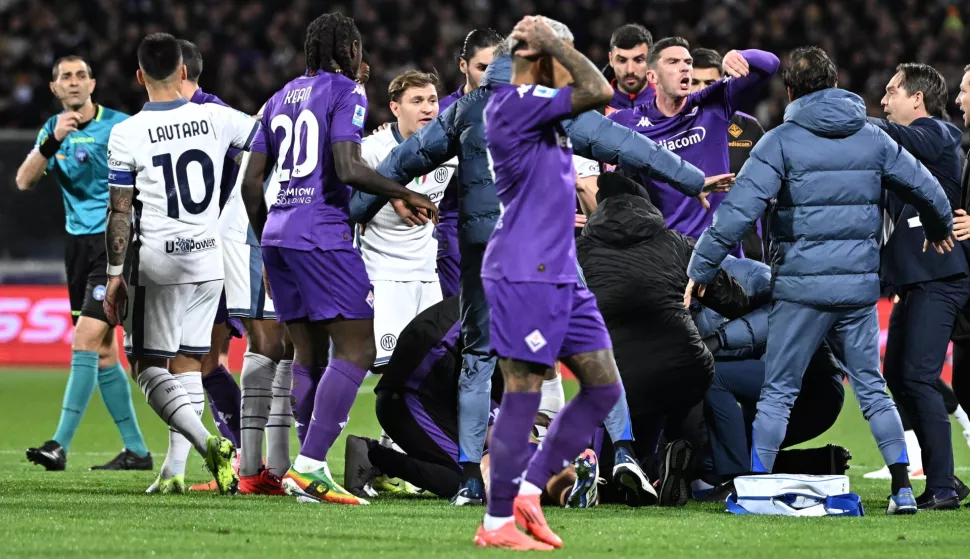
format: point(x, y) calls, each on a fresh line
point(638, 87)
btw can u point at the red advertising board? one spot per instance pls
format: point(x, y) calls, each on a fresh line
point(35, 329)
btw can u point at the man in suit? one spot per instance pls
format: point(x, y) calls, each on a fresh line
point(932, 288)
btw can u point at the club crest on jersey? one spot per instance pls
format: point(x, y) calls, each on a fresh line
point(388, 342)
point(181, 245)
point(370, 298)
point(735, 130)
point(535, 341)
point(81, 154)
point(440, 174)
point(359, 116)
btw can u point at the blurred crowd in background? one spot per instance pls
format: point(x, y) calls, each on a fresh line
point(252, 47)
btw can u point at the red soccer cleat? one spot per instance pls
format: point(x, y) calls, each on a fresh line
point(263, 483)
point(528, 513)
point(210, 486)
point(508, 537)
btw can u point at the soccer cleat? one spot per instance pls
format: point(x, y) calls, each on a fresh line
point(394, 485)
point(359, 473)
point(174, 485)
point(508, 537)
point(218, 460)
point(902, 502)
point(51, 456)
point(470, 492)
point(673, 481)
point(584, 493)
point(208, 486)
point(128, 460)
point(318, 487)
point(528, 513)
point(915, 472)
point(263, 483)
point(632, 481)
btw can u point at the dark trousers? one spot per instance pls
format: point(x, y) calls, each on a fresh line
point(431, 459)
point(961, 372)
point(730, 407)
point(919, 331)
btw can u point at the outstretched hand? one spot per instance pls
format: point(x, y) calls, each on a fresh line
point(719, 183)
point(701, 288)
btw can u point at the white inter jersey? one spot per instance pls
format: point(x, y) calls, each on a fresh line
point(391, 250)
point(586, 167)
point(172, 153)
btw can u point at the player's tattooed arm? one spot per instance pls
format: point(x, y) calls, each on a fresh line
point(354, 171)
point(118, 230)
point(590, 87)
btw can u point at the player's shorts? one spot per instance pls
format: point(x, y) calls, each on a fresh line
point(87, 274)
point(164, 320)
point(543, 322)
point(396, 303)
point(318, 284)
point(245, 292)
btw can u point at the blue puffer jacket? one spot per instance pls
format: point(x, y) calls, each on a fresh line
point(823, 171)
point(745, 337)
point(460, 131)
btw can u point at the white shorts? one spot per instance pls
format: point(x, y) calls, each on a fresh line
point(396, 303)
point(245, 292)
point(163, 320)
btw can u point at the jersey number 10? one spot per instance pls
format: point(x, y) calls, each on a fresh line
point(308, 130)
point(180, 177)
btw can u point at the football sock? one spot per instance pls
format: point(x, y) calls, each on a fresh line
point(333, 399)
point(280, 419)
point(508, 449)
point(173, 399)
point(305, 381)
point(116, 393)
point(258, 374)
point(495, 522)
point(224, 399)
point(80, 387)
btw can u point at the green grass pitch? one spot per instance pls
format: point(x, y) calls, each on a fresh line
point(78, 513)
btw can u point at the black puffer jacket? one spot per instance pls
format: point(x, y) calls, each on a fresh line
point(638, 271)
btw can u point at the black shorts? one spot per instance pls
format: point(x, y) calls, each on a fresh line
point(87, 274)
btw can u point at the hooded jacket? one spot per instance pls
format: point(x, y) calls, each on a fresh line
point(823, 171)
point(460, 131)
point(636, 268)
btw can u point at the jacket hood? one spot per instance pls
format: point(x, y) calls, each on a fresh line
point(623, 220)
point(830, 113)
point(499, 71)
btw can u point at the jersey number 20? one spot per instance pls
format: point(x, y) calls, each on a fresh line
point(306, 128)
point(180, 177)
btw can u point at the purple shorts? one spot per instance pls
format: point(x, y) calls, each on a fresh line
point(318, 284)
point(543, 322)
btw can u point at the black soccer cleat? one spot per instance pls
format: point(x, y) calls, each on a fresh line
point(675, 475)
point(128, 460)
point(51, 456)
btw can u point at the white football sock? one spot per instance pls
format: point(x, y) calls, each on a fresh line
point(495, 522)
point(962, 418)
point(551, 403)
point(178, 452)
point(306, 465)
point(280, 420)
point(256, 384)
point(527, 488)
point(170, 397)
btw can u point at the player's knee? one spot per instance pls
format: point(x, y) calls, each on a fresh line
point(185, 363)
point(266, 344)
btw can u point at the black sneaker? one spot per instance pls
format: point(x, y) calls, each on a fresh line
point(928, 501)
point(128, 460)
point(359, 473)
point(674, 475)
point(51, 456)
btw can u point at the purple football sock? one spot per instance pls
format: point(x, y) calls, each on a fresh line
point(224, 399)
point(571, 431)
point(508, 449)
point(305, 381)
point(334, 397)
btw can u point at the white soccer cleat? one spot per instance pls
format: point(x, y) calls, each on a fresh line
point(915, 472)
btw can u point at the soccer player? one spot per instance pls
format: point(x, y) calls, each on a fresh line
point(245, 299)
point(400, 257)
point(165, 164)
point(743, 133)
point(693, 125)
point(627, 70)
point(318, 281)
point(72, 146)
point(539, 312)
point(830, 167)
point(476, 55)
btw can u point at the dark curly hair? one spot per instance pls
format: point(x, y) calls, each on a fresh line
point(329, 43)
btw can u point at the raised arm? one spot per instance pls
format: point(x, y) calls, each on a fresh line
point(48, 143)
point(354, 171)
point(750, 70)
point(590, 88)
point(925, 141)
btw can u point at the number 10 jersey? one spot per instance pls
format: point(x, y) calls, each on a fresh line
point(301, 123)
point(172, 154)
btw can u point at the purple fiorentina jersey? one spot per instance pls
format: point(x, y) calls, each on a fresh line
point(448, 101)
point(301, 123)
point(699, 135)
point(532, 162)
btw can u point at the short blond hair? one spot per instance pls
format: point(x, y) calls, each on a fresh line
point(409, 79)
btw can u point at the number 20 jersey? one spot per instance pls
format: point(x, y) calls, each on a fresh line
point(301, 123)
point(172, 154)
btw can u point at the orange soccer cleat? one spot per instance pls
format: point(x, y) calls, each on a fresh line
point(508, 537)
point(528, 513)
point(263, 483)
